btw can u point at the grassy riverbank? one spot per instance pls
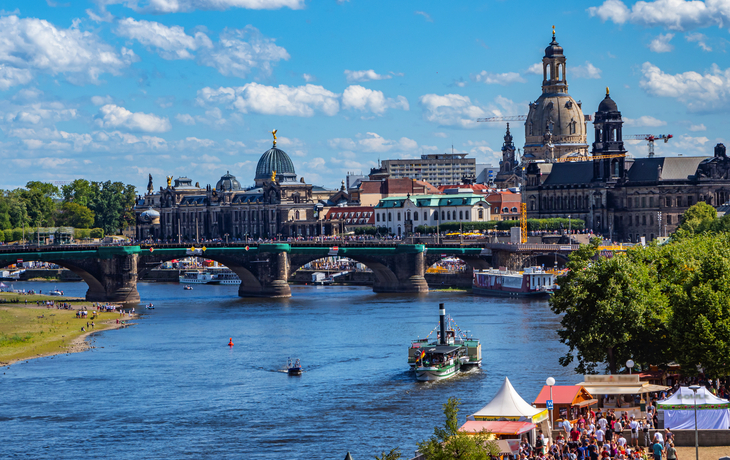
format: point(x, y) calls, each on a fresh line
point(30, 331)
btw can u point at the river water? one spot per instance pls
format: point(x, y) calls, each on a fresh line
point(170, 387)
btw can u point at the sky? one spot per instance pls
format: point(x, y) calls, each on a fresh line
point(119, 89)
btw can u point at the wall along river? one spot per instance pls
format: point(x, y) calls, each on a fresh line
point(170, 387)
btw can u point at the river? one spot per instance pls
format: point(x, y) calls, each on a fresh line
point(170, 387)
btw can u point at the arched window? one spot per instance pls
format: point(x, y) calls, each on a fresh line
point(443, 215)
point(377, 217)
point(547, 72)
point(390, 216)
point(481, 214)
point(466, 214)
point(398, 215)
point(296, 215)
point(425, 215)
point(448, 215)
point(408, 215)
point(461, 215)
point(560, 72)
point(415, 216)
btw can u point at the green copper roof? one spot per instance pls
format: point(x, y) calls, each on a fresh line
point(275, 160)
point(457, 199)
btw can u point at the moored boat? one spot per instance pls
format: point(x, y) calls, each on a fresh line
point(532, 282)
point(452, 351)
point(188, 287)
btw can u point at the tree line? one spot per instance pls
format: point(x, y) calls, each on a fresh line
point(655, 305)
point(81, 204)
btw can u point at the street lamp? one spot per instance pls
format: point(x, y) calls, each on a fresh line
point(226, 235)
point(550, 382)
point(630, 364)
point(694, 388)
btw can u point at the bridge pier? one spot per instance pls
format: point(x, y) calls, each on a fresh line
point(272, 274)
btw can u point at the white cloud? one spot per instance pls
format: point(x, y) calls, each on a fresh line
point(178, 6)
point(458, 110)
point(670, 14)
point(238, 51)
point(308, 78)
point(185, 118)
point(101, 100)
point(114, 116)
point(644, 121)
point(425, 15)
point(587, 70)
point(535, 69)
point(700, 127)
point(661, 43)
point(491, 78)
point(698, 92)
point(374, 143)
point(450, 110)
point(364, 99)
point(34, 45)
point(170, 42)
point(11, 76)
point(300, 101)
point(442, 135)
point(354, 76)
point(701, 40)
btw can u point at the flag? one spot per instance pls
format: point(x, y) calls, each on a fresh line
point(420, 357)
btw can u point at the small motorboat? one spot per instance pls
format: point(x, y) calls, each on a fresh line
point(293, 367)
point(149, 306)
point(55, 292)
point(188, 287)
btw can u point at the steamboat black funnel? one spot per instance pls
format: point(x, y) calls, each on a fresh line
point(442, 319)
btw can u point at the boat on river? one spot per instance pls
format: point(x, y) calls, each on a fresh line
point(225, 276)
point(532, 282)
point(293, 367)
point(198, 277)
point(452, 351)
point(188, 287)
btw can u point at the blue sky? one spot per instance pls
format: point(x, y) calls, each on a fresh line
point(117, 89)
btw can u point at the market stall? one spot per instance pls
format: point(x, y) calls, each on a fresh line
point(713, 413)
point(569, 402)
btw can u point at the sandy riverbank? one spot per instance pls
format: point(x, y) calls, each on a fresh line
point(29, 331)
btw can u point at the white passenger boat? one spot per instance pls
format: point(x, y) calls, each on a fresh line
point(532, 282)
point(198, 277)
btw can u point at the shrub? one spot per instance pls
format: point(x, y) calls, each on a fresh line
point(96, 233)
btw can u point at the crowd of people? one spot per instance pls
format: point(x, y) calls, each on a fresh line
point(604, 435)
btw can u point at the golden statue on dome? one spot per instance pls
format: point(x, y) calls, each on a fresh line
point(274, 133)
point(273, 173)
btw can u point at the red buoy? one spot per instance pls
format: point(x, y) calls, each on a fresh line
point(230, 342)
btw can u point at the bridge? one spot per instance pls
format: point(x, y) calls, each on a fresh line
point(111, 272)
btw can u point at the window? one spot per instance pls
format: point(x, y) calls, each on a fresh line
point(461, 215)
point(466, 214)
point(443, 215)
point(651, 201)
point(398, 216)
point(689, 201)
point(629, 221)
point(643, 220)
point(415, 216)
point(669, 220)
point(448, 215)
point(296, 215)
point(669, 201)
point(377, 217)
point(651, 219)
point(643, 201)
point(425, 215)
point(679, 201)
point(408, 215)
point(390, 216)
point(481, 214)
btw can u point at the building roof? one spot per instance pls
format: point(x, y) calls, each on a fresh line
point(607, 104)
point(194, 199)
point(496, 427)
point(228, 182)
point(352, 215)
point(576, 172)
point(664, 168)
point(562, 394)
point(275, 160)
point(457, 199)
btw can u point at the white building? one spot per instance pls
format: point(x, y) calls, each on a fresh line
point(401, 215)
point(437, 169)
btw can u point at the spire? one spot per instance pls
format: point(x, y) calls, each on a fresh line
point(553, 32)
point(607, 92)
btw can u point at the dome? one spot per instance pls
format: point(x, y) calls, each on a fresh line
point(560, 116)
point(228, 183)
point(607, 105)
point(553, 49)
point(149, 215)
point(275, 160)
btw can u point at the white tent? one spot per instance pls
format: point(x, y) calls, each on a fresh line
point(713, 413)
point(507, 404)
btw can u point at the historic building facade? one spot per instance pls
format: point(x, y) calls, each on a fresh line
point(621, 197)
point(278, 205)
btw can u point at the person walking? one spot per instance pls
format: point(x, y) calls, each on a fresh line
point(634, 427)
point(657, 449)
point(671, 451)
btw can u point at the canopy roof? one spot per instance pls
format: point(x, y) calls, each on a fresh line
point(684, 399)
point(618, 385)
point(507, 404)
point(497, 427)
point(562, 394)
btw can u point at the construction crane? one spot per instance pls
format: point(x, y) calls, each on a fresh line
point(518, 118)
point(650, 138)
point(523, 222)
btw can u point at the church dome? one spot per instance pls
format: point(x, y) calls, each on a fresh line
point(149, 215)
point(275, 160)
point(553, 49)
point(607, 105)
point(228, 182)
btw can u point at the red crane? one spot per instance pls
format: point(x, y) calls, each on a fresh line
point(650, 138)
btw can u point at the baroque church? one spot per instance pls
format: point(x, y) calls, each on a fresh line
point(278, 205)
point(619, 196)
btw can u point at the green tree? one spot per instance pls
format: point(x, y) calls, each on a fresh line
point(449, 443)
point(699, 218)
point(113, 206)
point(96, 233)
point(75, 215)
point(394, 454)
point(700, 301)
point(80, 191)
point(611, 307)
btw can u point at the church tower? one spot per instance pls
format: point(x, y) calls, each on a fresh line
point(609, 141)
point(555, 126)
point(508, 176)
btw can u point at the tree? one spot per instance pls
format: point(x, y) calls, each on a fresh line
point(394, 454)
point(611, 307)
point(96, 233)
point(449, 443)
point(699, 218)
point(700, 321)
point(80, 191)
point(76, 215)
